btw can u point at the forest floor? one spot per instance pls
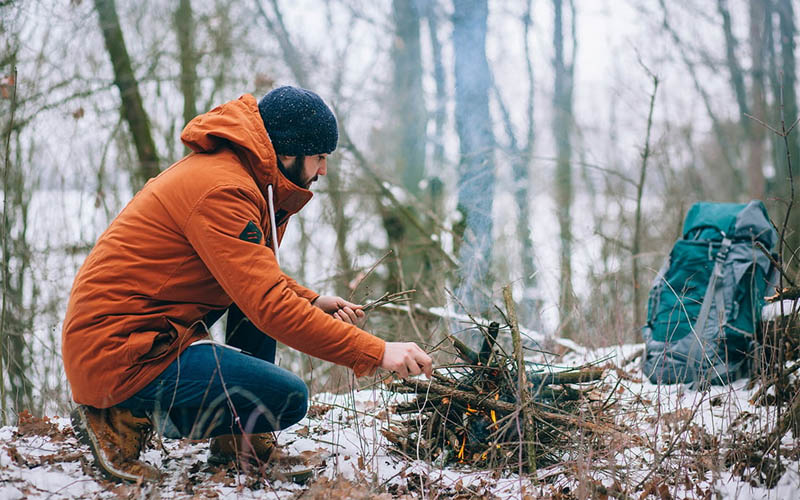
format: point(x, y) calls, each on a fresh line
point(667, 442)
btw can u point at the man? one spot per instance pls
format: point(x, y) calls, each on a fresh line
point(200, 239)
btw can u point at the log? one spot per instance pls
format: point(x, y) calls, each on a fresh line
point(567, 377)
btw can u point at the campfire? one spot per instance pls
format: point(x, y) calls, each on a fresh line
point(491, 409)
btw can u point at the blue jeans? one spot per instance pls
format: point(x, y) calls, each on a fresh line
point(210, 390)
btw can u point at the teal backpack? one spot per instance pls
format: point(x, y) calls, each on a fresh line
point(705, 303)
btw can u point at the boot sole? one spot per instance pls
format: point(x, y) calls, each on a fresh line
point(81, 427)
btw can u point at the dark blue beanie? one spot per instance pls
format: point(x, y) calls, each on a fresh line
point(298, 122)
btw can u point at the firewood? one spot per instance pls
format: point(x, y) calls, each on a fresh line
point(491, 409)
point(566, 377)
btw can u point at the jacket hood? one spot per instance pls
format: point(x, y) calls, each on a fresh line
point(238, 124)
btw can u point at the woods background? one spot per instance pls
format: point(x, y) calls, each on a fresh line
point(552, 144)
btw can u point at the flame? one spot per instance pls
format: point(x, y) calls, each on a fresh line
point(471, 410)
point(461, 451)
point(492, 413)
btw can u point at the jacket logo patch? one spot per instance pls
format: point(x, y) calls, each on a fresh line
point(251, 233)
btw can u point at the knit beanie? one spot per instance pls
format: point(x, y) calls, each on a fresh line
point(298, 122)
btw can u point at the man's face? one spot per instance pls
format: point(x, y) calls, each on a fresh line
point(305, 170)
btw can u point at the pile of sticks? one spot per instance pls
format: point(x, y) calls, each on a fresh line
point(777, 353)
point(492, 409)
point(781, 332)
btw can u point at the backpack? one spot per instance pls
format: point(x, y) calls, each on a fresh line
point(705, 303)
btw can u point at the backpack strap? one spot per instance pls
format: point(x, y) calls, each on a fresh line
point(711, 292)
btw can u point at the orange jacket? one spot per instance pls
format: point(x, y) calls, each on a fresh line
point(185, 246)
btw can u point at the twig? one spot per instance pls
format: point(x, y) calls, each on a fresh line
point(785, 422)
point(775, 263)
point(610, 492)
point(769, 383)
point(760, 122)
point(481, 328)
point(371, 269)
point(657, 465)
point(348, 144)
point(785, 136)
point(389, 298)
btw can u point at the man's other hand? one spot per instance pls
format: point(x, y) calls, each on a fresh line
point(406, 358)
point(340, 309)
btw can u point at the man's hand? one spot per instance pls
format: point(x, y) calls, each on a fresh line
point(406, 358)
point(340, 309)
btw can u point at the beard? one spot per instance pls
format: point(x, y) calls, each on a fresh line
point(295, 172)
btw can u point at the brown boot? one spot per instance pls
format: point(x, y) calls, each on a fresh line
point(243, 449)
point(116, 438)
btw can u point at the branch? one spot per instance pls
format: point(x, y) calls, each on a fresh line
point(389, 298)
point(715, 124)
point(438, 313)
point(775, 263)
point(424, 231)
point(290, 53)
point(733, 65)
point(523, 396)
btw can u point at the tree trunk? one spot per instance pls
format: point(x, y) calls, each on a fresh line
point(736, 75)
point(530, 304)
point(19, 295)
point(755, 159)
point(636, 247)
point(184, 26)
point(407, 146)
point(341, 224)
point(435, 185)
point(562, 107)
point(476, 166)
point(772, 185)
point(440, 111)
point(132, 108)
point(409, 106)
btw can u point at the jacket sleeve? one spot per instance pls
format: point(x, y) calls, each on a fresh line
point(249, 274)
point(300, 290)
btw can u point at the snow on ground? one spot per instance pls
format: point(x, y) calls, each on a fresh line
point(668, 441)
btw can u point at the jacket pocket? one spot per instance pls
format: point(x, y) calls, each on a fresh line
point(147, 346)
